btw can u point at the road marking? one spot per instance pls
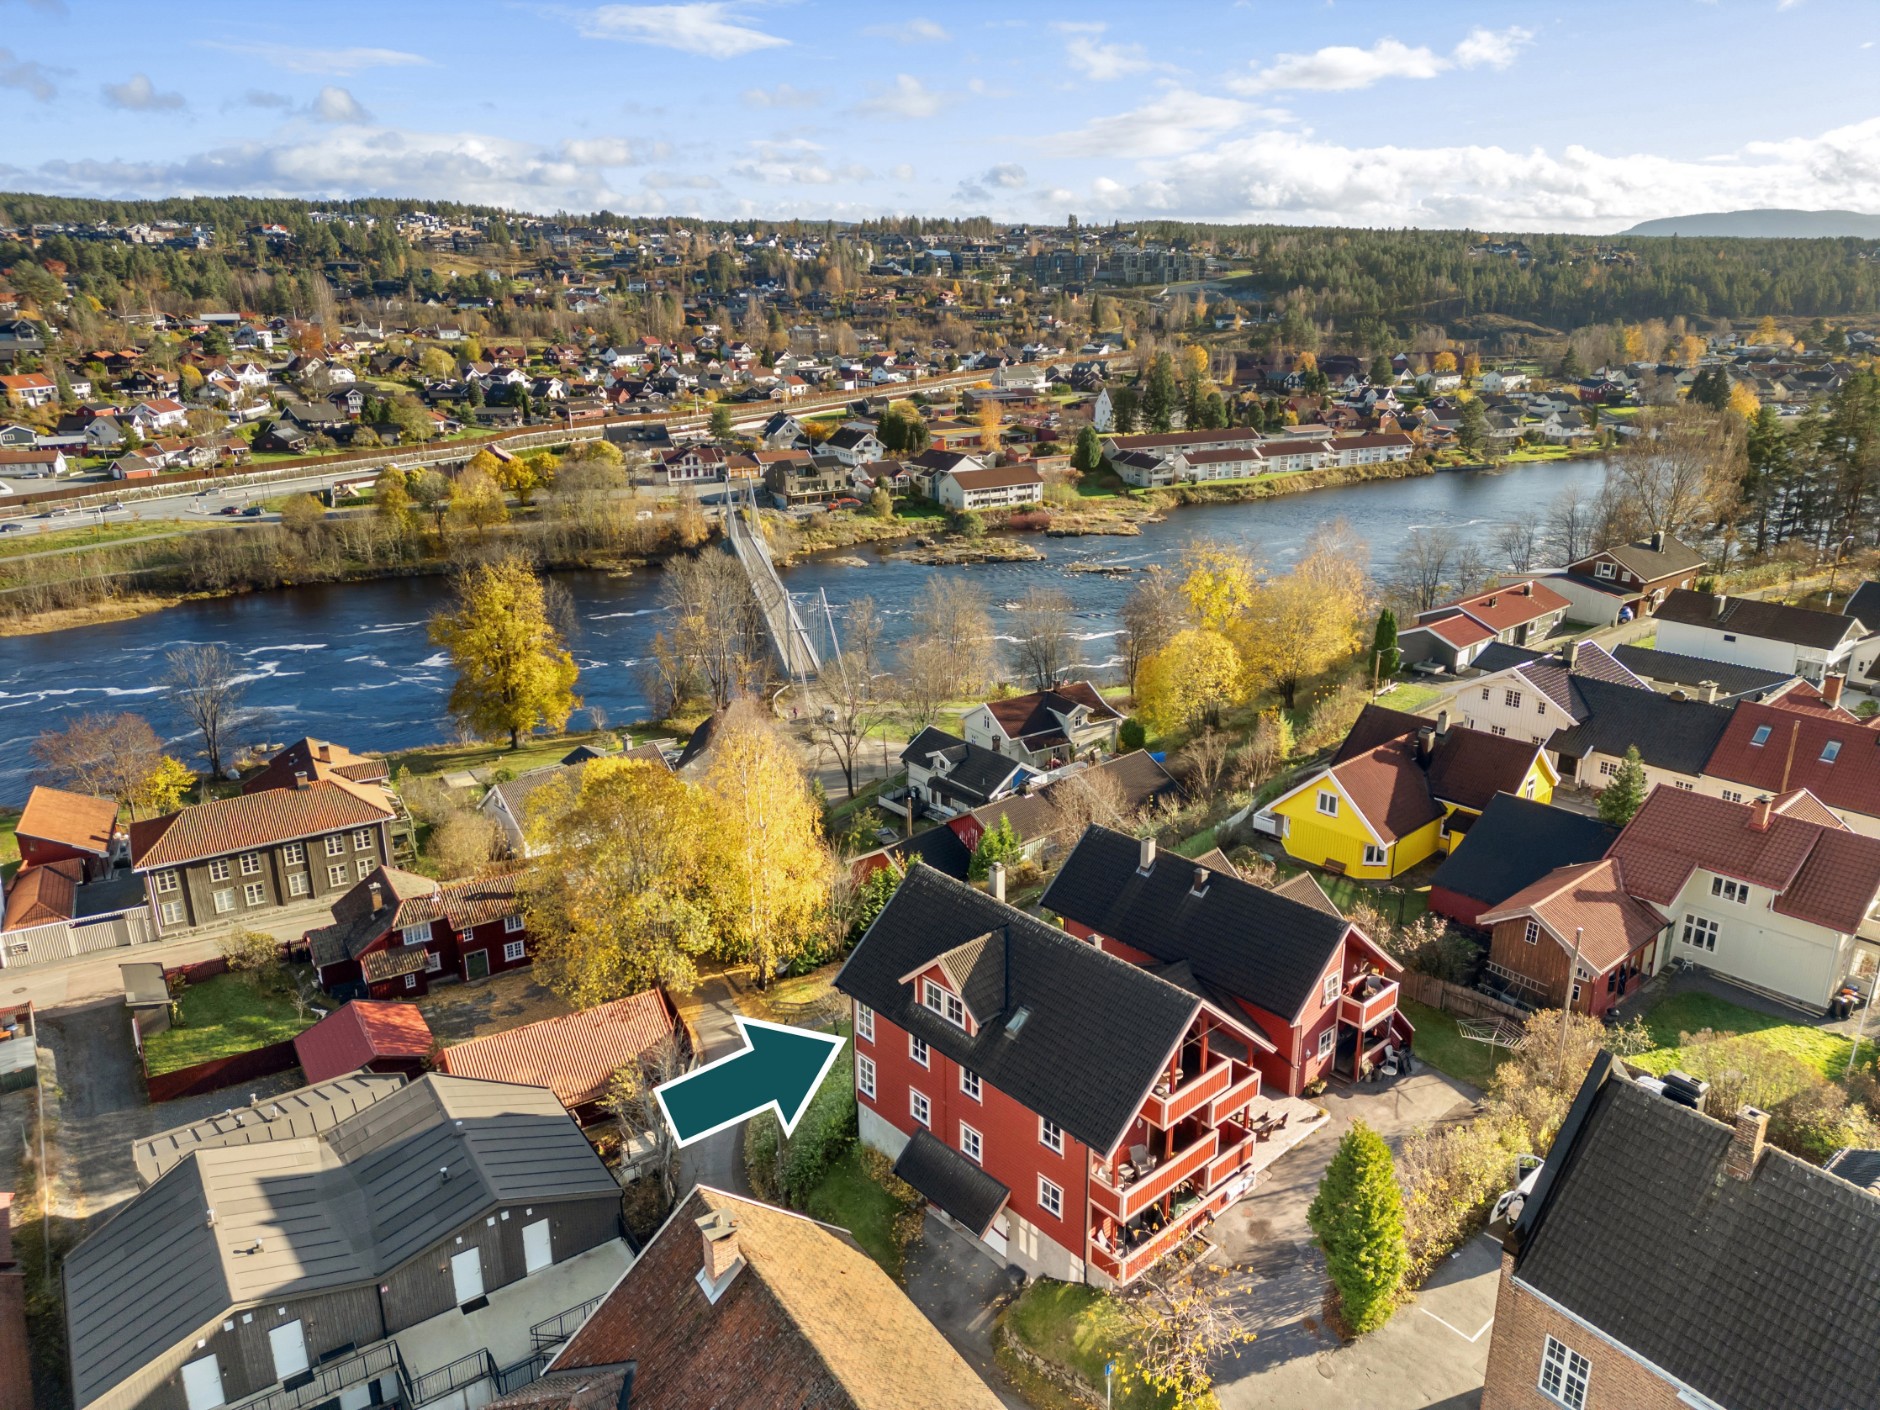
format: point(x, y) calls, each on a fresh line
point(1457, 1330)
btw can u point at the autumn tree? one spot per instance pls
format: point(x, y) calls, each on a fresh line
point(989, 419)
point(1188, 680)
point(1682, 472)
point(1301, 624)
point(715, 623)
point(430, 491)
point(523, 475)
point(1219, 583)
point(952, 630)
point(301, 514)
point(1179, 1324)
point(205, 686)
point(1357, 1218)
point(162, 789)
point(105, 755)
point(513, 672)
point(476, 501)
point(391, 501)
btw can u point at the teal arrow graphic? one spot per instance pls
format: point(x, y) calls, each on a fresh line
point(779, 1067)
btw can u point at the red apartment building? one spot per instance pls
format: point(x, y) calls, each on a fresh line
point(1078, 1115)
point(1321, 996)
point(396, 932)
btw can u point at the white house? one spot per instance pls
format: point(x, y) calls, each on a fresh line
point(1044, 725)
point(1533, 700)
point(1746, 631)
point(997, 487)
point(32, 464)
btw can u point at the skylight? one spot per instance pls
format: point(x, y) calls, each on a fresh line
point(1760, 738)
point(1830, 750)
point(1017, 1020)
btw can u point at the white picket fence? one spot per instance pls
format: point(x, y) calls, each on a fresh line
point(64, 940)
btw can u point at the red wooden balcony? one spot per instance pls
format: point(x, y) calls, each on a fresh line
point(1144, 1188)
point(1164, 1109)
point(1125, 1265)
point(1234, 1098)
point(1369, 999)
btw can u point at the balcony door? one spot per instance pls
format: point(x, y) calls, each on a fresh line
point(289, 1345)
point(466, 1275)
point(202, 1383)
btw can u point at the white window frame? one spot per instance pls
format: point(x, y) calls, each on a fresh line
point(335, 845)
point(1328, 1040)
point(1727, 888)
point(362, 838)
point(865, 1076)
point(865, 1022)
point(1375, 856)
point(1328, 803)
point(294, 853)
point(433, 962)
point(1532, 932)
point(1830, 751)
point(919, 1107)
point(251, 864)
point(172, 913)
point(1761, 737)
point(1050, 1135)
point(511, 924)
point(219, 869)
point(918, 1052)
point(971, 1085)
point(1050, 1198)
point(336, 874)
point(1329, 994)
point(363, 868)
point(416, 934)
point(1604, 570)
point(254, 893)
point(1565, 1375)
point(411, 981)
point(1700, 933)
point(515, 951)
point(1512, 699)
point(167, 881)
point(223, 900)
point(972, 1144)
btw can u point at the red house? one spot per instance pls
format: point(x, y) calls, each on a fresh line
point(396, 932)
point(1319, 993)
point(1078, 1115)
point(57, 826)
point(1576, 913)
point(377, 1036)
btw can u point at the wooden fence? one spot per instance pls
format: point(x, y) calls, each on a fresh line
point(221, 1072)
point(1457, 999)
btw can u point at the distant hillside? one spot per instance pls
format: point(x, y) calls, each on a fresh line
point(1766, 225)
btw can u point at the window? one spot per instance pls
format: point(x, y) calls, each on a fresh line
point(1532, 934)
point(1540, 707)
point(1373, 855)
point(920, 1108)
point(1730, 890)
point(1685, 784)
point(166, 881)
point(1603, 570)
point(1732, 795)
point(944, 1002)
point(433, 962)
point(251, 864)
point(865, 1022)
point(1484, 692)
point(294, 853)
point(970, 1145)
point(1700, 934)
point(1564, 1375)
point(511, 924)
point(1328, 804)
point(411, 981)
point(416, 934)
point(336, 874)
point(1608, 767)
point(917, 1049)
point(1512, 699)
point(1331, 988)
point(865, 1076)
point(297, 883)
point(224, 901)
point(1326, 1040)
point(218, 869)
point(1830, 751)
point(335, 845)
point(1501, 730)
point(513, 951)
point(1728, 637)
point(1760, 738)
point(1050, 1198)
point(171, 912)
point(1576, 991)
point(362, 839)
point(969, 1084)
point(1051, 1135)
point(254, 893)
point(364, 866)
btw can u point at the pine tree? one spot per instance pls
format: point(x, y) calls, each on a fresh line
point(996, 844)
point(1385, 656)
point(1624, 795)
point(1357, 1217)
point(1087, 454)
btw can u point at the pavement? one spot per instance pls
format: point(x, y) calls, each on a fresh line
point(957, 1287)
point(717, 1160)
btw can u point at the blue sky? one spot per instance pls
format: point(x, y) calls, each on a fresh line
point(1582, 117)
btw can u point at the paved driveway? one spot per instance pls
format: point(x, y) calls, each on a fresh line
point(717, 1160)
point(955, 1282)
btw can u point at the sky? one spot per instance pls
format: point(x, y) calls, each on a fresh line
point(1585, 117)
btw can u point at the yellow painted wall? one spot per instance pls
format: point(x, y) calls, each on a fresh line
point(1313, 837)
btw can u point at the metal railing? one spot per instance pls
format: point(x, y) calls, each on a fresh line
point(327, 1380)
point(446, 1380)
point(553, 1331)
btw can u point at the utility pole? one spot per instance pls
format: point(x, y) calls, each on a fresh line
point(1566, 1007)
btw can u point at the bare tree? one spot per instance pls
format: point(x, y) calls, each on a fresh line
point(1570, 520)
point(1203, 762)
point(953, 612)
point(1045, 647)
point(853, 704)
point(630, 1098)
point(715, 622)
point(204, 685)
point(1087, 797)
point(1422, 567)
point(1154, 611)
point(1469, 568)
point(1682, 471)
point(104, 755)
point(927, 677)
point(1519, 541)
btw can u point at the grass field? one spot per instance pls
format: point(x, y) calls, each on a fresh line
point(1440, 1043)
point(1693, 1012)
point(9, 846)
point(1078, 1327)
point(221, 1017)
point(1412, 696)
point(850, 1200)
point(95, 536)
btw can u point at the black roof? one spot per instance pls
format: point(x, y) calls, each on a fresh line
point(1251, 942)
point(1750, 616)
point(1678, 735)
point(1096, 1030)
point(952, 1181)
point(974, 774)
point(1500, 655)
point(1679, 669)
point(1516, 842)
point(1759, 1293)
point(1857, 1166)
point(1864, 603)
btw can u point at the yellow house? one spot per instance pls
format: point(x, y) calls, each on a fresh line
point(1399, 790)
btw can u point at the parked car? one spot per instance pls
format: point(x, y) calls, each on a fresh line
point(12, 526)
point(253, 511)
point(230, 509)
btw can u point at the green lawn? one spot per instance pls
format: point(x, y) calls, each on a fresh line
point(1440, 1043)
point(1693, 1012)
point(221, 1017)
point(1401, 906)
point(850, 1200)
point(1411, 696)
point(9, 847)
point(94, 536)
point(533, 754)
point(1194, 846)
point(1075, 1326)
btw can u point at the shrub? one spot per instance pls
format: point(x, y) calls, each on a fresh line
point(250, 952)
point(826, 1131)
point(912, 1218)
point(762, 1136)
point(1031, 521)
point(1357, 1217)
point(1132, 735)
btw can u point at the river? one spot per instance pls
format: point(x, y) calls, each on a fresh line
point(353, 663)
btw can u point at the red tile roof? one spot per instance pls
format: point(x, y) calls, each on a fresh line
point(1590, 899)
point(1826, 876)
point(573, 1055)
point(1791, 755)
point(1459, 631)
point(1398, 791)
point(75, 820)
point(361, 1032)
point(1034, 717)
point(318, 760)
point(43, 895)
point(1505, 607)
point(225, 825)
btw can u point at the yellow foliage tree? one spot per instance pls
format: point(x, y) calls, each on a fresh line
point(1690, 349)
point(1444, 361)
point(989, 420)
point(1766, 331)
point(1219, 582)
point(513, 673)
point(476, 500)
point(523, 475)
point(1632, 342)
point(1744, 402)
point(1195, 361)
point(1302, 624)
point(161, 790)
point(1306, 362)
point(1197, 673)
point(1472, 366)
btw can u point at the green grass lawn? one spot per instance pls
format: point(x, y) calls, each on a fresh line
point(9, 846)
point(850, 1200)
point(1692, 1012)
point(1201, 842)
point(95, 536)
point(1401, 906)
point(1075, 1326)
point(534, 754)
point(221, 1017)
point(1440, 1043)
point(1411, 696)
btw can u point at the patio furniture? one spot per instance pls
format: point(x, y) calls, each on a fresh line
point(1139, 1157)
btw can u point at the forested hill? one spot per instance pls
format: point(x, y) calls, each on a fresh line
point(1766, 225)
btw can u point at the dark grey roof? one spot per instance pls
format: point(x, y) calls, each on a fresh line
point(121, 891)
point(1864, 603)
point(306, 1111)
point(1749, 616)
point(1653, 563)
point(1678, 735)
point(1677, 669)
point(969, 772)
point(1096, 1029)
point(1256, 944)
point(1857, 1166)
point(951, 1181)
point(937, 847)
point(1500, 655)
point(1515, 843)
point(1760, 1294)
point(312, 1213)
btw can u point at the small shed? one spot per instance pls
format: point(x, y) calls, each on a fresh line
point(377, 1035)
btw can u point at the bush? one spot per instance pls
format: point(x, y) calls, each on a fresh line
point(1357, 1217)
point(912, 1219)
point(762, 1136)
point(251, 952)
point(1132, 735)
point(827, 1130)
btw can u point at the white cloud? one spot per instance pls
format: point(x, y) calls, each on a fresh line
point(709, 27)
point(337, 63)
point(599, 151)
point(337, 105)
point(27, 75)
point(906, 97)
point(1007, 175)
point(138, 94)
point(915, 31)
point(1098, 61)
point(1340, 68)
point(984, 188)
point(1176, 121)
point(784, 95)
point(902, 171)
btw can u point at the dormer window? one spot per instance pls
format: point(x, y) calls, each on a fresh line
point(944, 1002)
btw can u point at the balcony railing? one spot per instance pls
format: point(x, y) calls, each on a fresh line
point(1126, 1265)
point(1234, 1098)
point(1367, 1001)
point(1236, 1151)
point(1164, 1109)
point(1147, 1187)
point(324, 1382)
point(553, 1331)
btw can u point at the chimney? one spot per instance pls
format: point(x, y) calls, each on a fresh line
point(1573, 654)
point(1201, 881)
point(300, 779)
point(1746, 1146)
point(1147, 859)
point(1442, 724)
point(1722, 601)
point(998, 881)
point(1707, 692)
point(1831, 686)
point(326, 753)
point(1527, 589)
point(1658, 540)
point(1759, 816)
point(378, 898)
point(1426, 742)
point(722, 1259)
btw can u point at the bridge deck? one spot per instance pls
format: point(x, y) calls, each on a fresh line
point(788, 636)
